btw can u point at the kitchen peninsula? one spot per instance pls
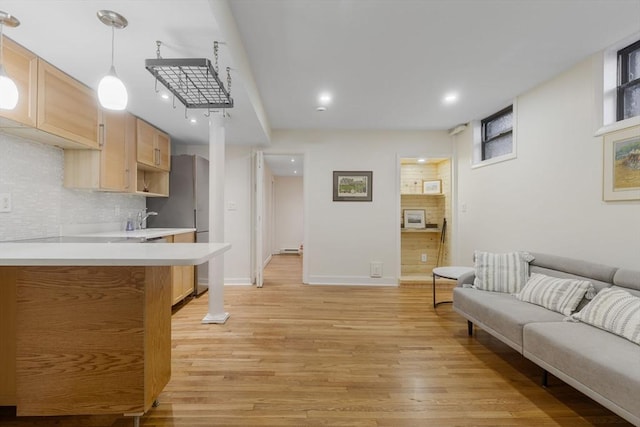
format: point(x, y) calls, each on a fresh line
point(85, 328)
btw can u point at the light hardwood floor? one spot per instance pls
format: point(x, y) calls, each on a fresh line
point(296, 355)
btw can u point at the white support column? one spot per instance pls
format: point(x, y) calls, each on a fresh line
point(216, 312)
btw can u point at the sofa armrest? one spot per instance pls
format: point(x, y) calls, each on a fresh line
point(466, 279)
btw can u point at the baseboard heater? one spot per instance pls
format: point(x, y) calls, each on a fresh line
point(289, 251)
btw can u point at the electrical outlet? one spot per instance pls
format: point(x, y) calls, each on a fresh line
point(5, 202)
point(423, 258)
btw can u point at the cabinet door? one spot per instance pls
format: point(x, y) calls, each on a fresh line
point(183, 276)
point(66, 107)
point(163, 147)
point(22, 67)
point(145, 141)
point(113, 159)
point(130, 153)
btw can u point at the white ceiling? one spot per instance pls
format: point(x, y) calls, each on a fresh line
point(388, 63)
point(285, 165)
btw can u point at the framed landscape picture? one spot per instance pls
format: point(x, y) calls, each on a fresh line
point(621, 180)
point(432, 187)
point(414, 218)
point(352, 186)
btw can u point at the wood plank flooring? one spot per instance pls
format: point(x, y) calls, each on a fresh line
point(297, 355)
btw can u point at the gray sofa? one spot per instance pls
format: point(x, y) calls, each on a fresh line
point(600, 364)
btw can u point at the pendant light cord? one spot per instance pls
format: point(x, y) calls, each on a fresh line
point(113, 31)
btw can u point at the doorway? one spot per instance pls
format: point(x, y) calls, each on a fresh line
point(279, 202)
point(425, 216)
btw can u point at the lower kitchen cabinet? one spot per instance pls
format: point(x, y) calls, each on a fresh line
point(183, 277)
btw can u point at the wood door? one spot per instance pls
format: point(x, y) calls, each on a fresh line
point(145, 142)
point(163, 147)
point(113, 159)
point(22, 67)
point(66, 107)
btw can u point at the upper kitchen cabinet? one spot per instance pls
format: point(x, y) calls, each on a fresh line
point(22, 66)
point(67, 108)
point(111, 168)
point(154, 147)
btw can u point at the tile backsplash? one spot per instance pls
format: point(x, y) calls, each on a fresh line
point(33, 174)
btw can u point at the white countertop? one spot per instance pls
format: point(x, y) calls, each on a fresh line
point(109, 254)
point(146, 233)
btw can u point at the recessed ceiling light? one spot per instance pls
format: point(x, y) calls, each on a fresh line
point(293, 160)
point(422, 160)
point(450, 98)
point(295, 171)
point(321, 108)
point(324, 98)
point(164, 95)
point(193, 120)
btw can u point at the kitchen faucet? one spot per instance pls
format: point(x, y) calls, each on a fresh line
point(142, 217)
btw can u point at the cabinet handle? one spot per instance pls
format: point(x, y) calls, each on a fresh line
point(157, 151)
point(127, 179)
point(101, 136)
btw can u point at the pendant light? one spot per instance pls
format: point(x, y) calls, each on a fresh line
point(8, 89)
point(111, 91)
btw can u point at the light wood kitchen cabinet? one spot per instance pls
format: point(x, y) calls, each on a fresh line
point(111, 168)
point(67, 108)
point(104, 348)
point(183, 277)
point(154, 147)
point(22, 67)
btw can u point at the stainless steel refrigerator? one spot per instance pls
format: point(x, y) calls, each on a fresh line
point(187, 205)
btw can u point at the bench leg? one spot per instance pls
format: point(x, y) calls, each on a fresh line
point(469, 328)
point(545, 378)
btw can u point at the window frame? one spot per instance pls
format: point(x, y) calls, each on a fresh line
point(476, 126)
point(623, 82)
point(483, 127)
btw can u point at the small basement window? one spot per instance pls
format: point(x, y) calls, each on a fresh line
point(628, 93)
point(497, 134)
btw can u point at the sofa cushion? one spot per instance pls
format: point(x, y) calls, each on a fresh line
point(500, 314)
point(574, 268)
point(614, 310)
point(506, 272)
point(600, 362)
point(560, 295)
point(627, 278)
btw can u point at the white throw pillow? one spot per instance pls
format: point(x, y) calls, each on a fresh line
point(561, 295)
point(506, 272)
point(614, 310)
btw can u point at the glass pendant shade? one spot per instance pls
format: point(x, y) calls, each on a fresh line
point(112, 93)
point(8, 91)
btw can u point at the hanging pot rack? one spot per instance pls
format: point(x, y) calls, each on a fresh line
point(193, 81)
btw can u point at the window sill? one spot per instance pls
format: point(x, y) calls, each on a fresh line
point(622, 124)
point(494, 160)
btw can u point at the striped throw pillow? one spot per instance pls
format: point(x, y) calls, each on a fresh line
point(614, 310)
point(506, 272)
point(561, 295)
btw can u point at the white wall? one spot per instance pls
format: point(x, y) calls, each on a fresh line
point(548, 199)
point(267, 220)
point(33, 174)
point(342, 238)
point(288, 213)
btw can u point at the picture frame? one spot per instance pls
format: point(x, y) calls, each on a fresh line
point(414, 218)
point(621, 165)
point(352, 186)
point(432, 187)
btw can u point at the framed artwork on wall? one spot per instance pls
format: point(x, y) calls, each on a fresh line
point(621, 179)
point(432, 187)
point(413, 218)
point(352, 186)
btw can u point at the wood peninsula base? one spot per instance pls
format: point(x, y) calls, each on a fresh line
point(84, 340)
